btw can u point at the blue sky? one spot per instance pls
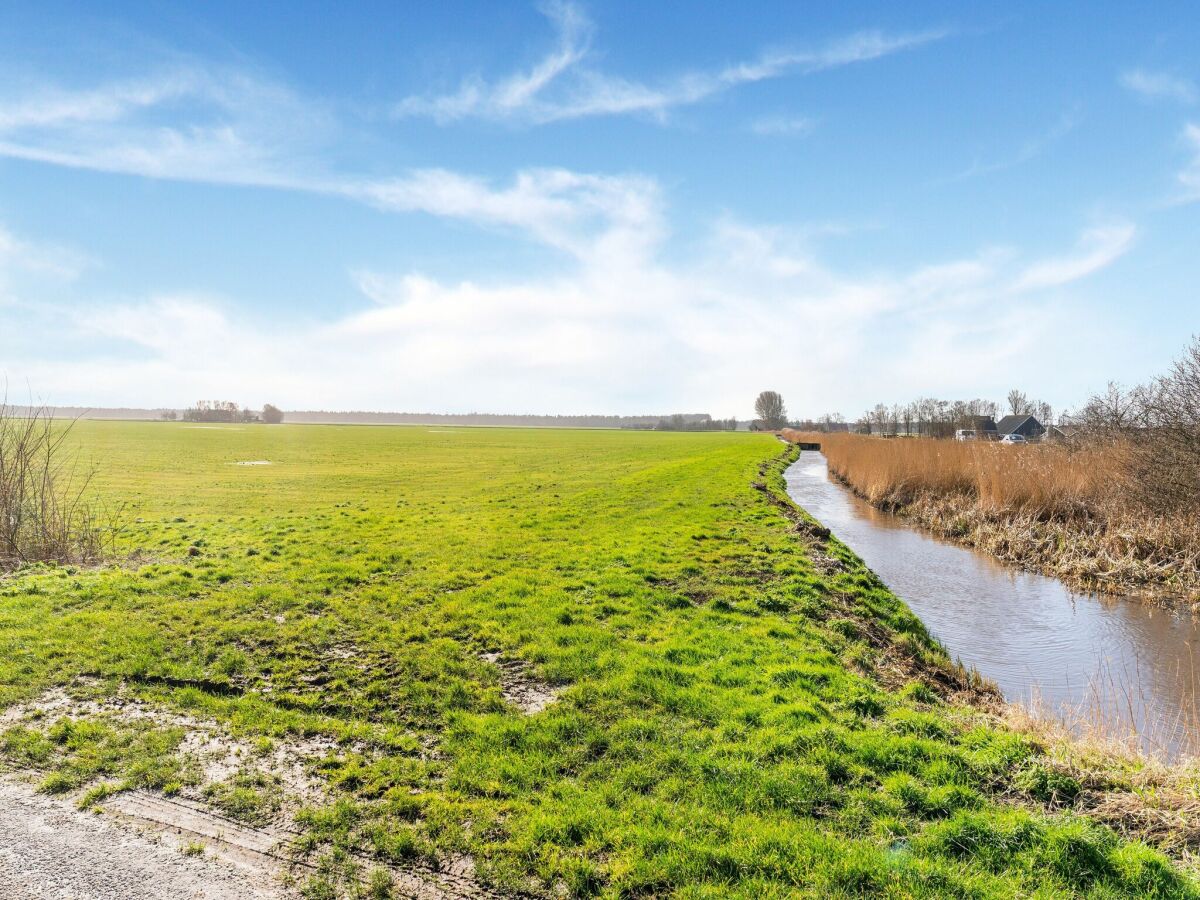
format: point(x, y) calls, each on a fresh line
point(603, 207)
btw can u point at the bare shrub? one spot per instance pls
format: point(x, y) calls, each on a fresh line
point(1167, 461)
point(1155, 430)
point(46, 513)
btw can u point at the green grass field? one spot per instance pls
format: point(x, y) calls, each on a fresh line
point(743, 710)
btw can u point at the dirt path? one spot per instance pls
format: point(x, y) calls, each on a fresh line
point(133, 850)
point(51, 851)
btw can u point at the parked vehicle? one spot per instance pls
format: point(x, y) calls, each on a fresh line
point(965, 434)
point(1013, 439)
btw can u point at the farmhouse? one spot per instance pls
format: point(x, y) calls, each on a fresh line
point(985, 428)
point(1026, 426)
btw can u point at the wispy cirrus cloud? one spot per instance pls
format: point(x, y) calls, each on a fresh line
point(1189, 176)
point(188, 121)
point(1097, 248)
point(1159, 86)
point(42, 259)
point(564, 86)
point(1027, 152)
point(581, 214)
point(222, 126)
point(23, 260)
point(782, 126)
point(235, 129)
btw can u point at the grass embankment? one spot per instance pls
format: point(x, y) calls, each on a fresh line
point(1067, 512)
point(743, 709)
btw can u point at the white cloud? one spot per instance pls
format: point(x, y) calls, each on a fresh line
point(1159, 86)
point(56, 107)
point(563, 86)
point(38, 258)
point(187, 122)
point(161, 324)
point(520, 89)
point(1097, 248)
point(781, 126)
point(578, 213)
point(1028, 151)
point(23, 262)
point(621, 330)
point(1189, 176)
point(239, 130)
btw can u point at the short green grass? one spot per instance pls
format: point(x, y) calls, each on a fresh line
point(732, 722)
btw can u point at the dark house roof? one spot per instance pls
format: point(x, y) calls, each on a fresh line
point(983, 423)
point(1021, 424)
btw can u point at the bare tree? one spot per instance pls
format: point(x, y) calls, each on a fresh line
point(877, 416)
point(831, 422)
point(1115, 412)
point(1156, 427)
point(770, 410)
point(1168, 461)
point(1018, 403)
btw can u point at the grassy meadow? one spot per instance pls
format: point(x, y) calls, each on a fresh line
point(743, 710)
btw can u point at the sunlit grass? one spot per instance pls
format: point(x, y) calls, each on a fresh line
point(731, 720)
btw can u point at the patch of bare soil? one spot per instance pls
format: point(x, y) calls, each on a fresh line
point(49, 849)
point(270, 850)
point(209, 750)
point(147, 845)
point(519, 687)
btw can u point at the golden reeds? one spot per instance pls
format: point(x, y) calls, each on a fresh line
point(1042, 479)
point(1066, 511)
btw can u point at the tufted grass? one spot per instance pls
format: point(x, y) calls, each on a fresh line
point(744, 709)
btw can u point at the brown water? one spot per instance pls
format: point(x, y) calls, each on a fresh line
point(1110, 665)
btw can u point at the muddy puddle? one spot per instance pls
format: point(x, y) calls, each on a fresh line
point(1109, 666)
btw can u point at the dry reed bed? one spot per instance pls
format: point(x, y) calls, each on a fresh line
point(1063, 511)
point(1112, 780)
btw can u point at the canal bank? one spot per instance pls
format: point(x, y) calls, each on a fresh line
point(1101, 665)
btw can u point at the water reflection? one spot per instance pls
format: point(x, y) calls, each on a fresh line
point(1084, 658)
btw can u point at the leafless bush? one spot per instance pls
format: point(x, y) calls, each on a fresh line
point(46, 513)
point(1168, 466)
point(1157, 427)
point(1116, 413)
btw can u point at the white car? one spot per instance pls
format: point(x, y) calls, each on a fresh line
point(965, 434)
point(1013, 439)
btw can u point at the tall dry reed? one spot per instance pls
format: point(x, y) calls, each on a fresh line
point(1068, 511)
point(1045, 480)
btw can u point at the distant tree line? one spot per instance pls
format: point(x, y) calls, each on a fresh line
point(829, 422)
point(702, 422)
point(931, 416)
point(225, 411)
point(646, 422)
